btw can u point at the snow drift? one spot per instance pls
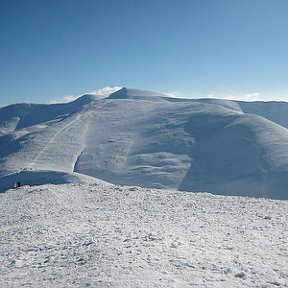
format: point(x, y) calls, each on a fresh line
point(148, 139)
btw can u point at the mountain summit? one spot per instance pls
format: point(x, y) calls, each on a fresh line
point(218, 146)
point(125, 93)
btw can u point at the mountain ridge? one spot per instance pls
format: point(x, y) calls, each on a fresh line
point(186, 144)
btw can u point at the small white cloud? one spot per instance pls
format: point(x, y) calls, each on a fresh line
point(65, 99)
point(106, 91)
point(174, 94)
point(254, 96)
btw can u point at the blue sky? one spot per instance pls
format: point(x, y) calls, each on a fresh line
point(191, 48)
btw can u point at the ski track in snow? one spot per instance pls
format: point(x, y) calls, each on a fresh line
point(77, 119)
point(52, 139)
point(93, 108)
point(118, 236)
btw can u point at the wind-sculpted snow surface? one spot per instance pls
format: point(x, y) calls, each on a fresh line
point(115, 236)
point(147, 139)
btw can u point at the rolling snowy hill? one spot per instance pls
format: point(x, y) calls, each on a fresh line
point(148, 139)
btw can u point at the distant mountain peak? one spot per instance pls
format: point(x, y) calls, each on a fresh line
point(88, 98)
point(119, 94)
point(127, 93)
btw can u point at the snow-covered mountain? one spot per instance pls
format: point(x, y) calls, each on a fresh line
point(148, 139)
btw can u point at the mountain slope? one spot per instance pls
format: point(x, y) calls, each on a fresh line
point(273, 111)
point(147, 139)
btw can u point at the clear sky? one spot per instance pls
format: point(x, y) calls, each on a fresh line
point(197, 48)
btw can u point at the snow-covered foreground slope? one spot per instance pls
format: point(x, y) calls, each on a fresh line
point(105, 236)
point(147, 139)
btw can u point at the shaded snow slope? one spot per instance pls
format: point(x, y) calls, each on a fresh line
point(146, 139)
point(274, 111)
point(19, 116)
point(100, 236)
point(40, 177)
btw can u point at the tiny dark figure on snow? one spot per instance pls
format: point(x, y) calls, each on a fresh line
point(17, 184)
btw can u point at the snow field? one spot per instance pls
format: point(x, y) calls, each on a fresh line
point(118, 236)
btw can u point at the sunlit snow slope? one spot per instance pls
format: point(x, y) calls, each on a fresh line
point(147, 139)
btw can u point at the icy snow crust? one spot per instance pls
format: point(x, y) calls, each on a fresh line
point(114, 236)
point(147, 139)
